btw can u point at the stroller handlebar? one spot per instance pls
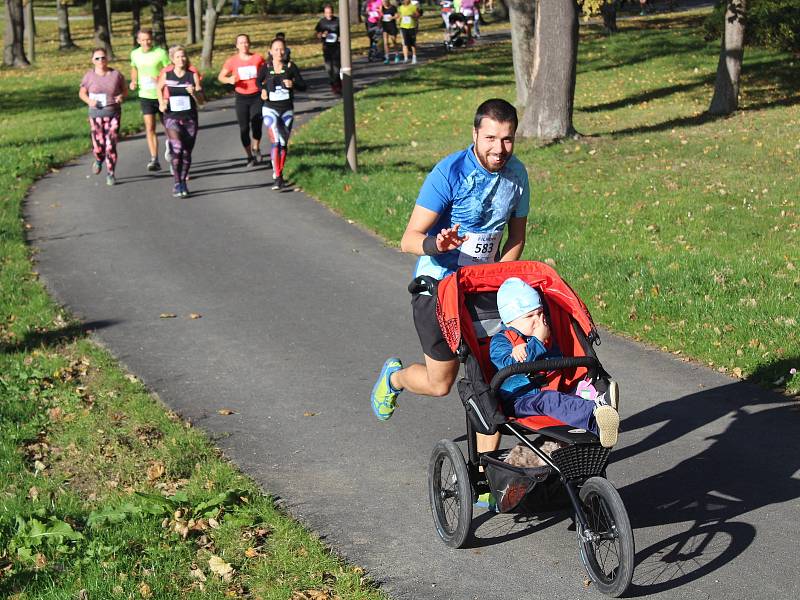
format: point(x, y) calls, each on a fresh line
point(423, 283)
point(555, 364)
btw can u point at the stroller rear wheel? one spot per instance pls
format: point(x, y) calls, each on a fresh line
point(450, 492)
point(607, 550)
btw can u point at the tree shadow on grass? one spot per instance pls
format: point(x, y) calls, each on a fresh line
point(55, 337)
point(747, 466)
point(764, 81)
point(26, 99)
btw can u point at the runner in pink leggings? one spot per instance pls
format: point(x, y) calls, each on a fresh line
point(103, 90)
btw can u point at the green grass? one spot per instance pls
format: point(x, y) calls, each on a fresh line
point(676, 229)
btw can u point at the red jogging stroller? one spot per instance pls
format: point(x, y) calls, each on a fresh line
point(468, 315)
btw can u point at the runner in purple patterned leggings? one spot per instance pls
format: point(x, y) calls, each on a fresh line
point(103, 90)
point(178, 94)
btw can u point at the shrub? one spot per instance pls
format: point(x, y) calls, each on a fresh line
point(770, 23)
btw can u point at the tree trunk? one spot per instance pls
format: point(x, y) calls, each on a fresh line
point(64, 35)
point(609, 11)
point(726, 88)
point(198, 20)
point(136, 17)
point(190, 39)
point(212, 13)
point(102, 37)
point(29, 27)
point(108, 14)
point(522, 14)
point(355, 9)
point(548, 112)
point(13, 50)
point(159, 30)
point(501, 10)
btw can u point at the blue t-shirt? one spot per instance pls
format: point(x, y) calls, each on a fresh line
point(462, 191)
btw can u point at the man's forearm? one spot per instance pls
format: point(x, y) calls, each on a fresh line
point(412, 243)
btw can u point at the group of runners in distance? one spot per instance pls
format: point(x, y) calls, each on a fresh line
point(170, 89)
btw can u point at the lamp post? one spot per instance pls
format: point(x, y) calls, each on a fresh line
point(348, 106)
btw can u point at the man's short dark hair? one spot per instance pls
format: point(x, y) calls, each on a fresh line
point(498, 110)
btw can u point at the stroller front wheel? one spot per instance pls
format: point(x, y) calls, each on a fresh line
point(607, 548)
point(450, 492)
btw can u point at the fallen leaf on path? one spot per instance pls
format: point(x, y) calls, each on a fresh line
point(167, 316)
point(226, 411)
point(308, 413)
point(195, 316)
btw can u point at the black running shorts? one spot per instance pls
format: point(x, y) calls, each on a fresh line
point(149, 107)
point(409, 37)
point(430, 334)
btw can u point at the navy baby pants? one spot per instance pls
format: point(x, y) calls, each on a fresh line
point(572, 410)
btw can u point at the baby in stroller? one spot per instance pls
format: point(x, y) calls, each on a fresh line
point(525, 337)
point(457, 35)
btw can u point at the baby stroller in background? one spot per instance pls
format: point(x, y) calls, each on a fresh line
point(375, 34)
point(468, 315)
point(457, 34)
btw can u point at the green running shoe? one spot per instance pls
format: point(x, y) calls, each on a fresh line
point(384, 396)
point(487, 501)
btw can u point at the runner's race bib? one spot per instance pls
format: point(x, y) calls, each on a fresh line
point(180, 103)
point(387, 18)
point(374, 14)
point(479, 248)
point(279, 94)
point(407, 20)
point(147, 83)
point(247, 72)
point(100, 99)
point(331, 38)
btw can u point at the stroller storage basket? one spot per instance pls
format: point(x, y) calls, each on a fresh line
point(511, 484)
point(581, 461)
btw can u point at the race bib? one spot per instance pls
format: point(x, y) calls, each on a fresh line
point(331, 38)
point(247, 72)
point(279, 94)
point(479, 248)
point(147, 83)
point(407, 20)
point(99, 98)
point(180, 103)
point(373, 14)
point(387, 18)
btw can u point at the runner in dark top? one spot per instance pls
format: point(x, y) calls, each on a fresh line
point(178, 93)
point(278, 79)
point(389, 25)
point(328, 31)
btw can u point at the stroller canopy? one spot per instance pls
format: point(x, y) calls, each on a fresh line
point(571, 324)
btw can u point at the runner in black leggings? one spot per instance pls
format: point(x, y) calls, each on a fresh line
point(240, 71)
point(178, 93)
point(278, 80)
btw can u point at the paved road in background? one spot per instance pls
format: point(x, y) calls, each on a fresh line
point(299, 310)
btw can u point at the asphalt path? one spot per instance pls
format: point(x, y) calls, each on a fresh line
point(299, 310)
